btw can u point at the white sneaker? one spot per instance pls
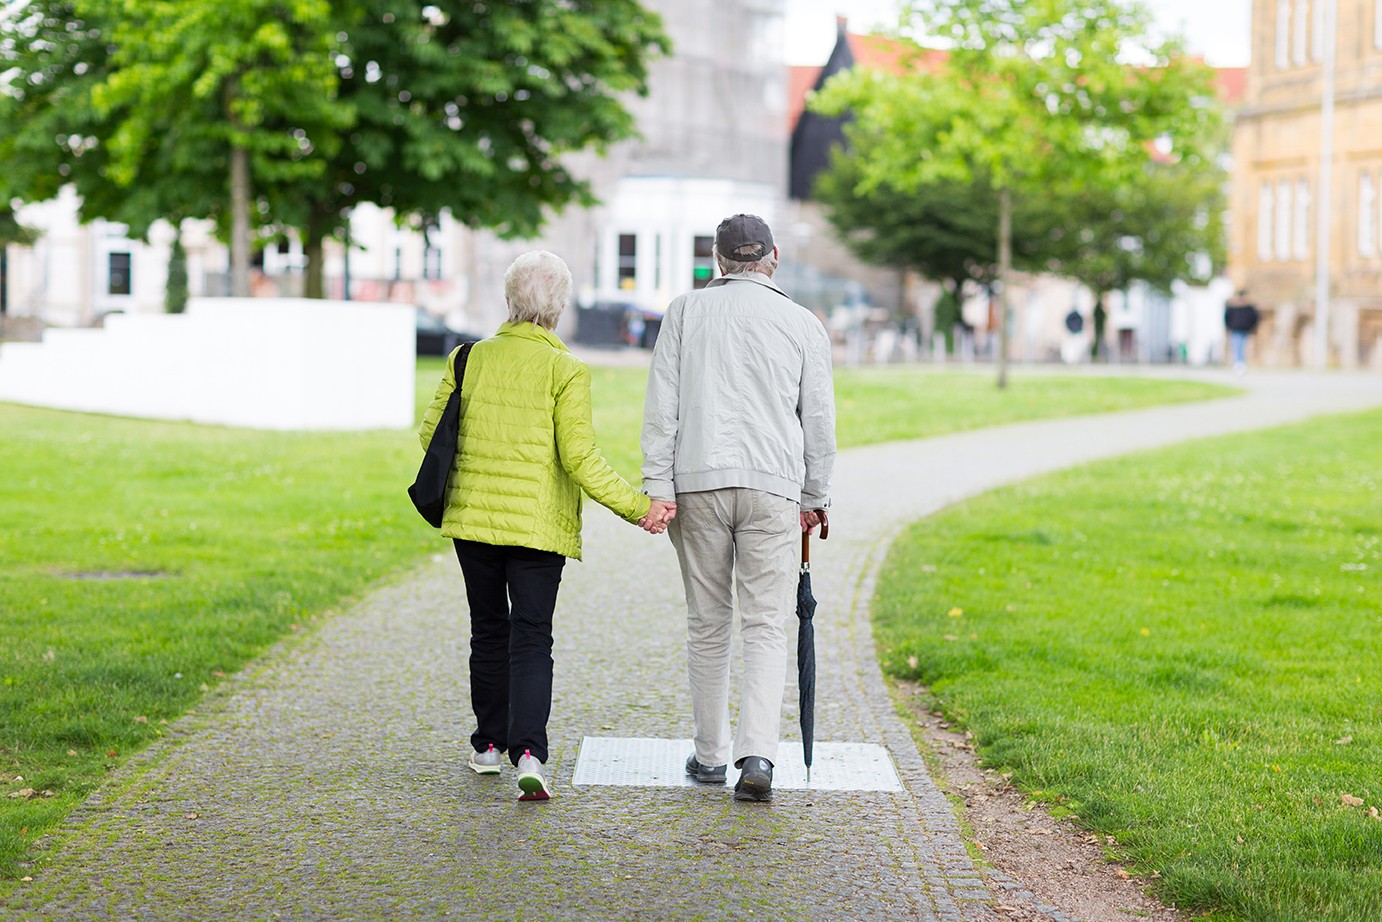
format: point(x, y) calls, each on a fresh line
point(530, 778)
point(487, 762)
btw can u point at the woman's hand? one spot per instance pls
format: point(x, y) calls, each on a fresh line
point(659, 514)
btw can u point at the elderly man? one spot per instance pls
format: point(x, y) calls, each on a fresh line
point(739, 432)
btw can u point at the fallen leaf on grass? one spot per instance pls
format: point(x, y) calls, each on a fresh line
point(28, 794)
point(141, 719)
point(956, 612)
point(26, 879)
point(111, 754)
point(71, 752)
point(951, 637)
point(1351, 801)
point(1343, 741)
point(911, 662)
point(1372, 812)
point(193, 816)
point(1122, 874)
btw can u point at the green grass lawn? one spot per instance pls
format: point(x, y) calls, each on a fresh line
point(141, 562)
point(1184, 650)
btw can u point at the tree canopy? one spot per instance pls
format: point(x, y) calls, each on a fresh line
point(421, 108)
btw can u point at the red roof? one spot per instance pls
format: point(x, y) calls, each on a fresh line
point(1232, 83)
point(800, 81)
point(872, 52)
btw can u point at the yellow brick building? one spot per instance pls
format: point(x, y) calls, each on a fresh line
point(1274, 232)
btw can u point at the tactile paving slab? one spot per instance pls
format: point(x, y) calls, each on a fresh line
point(640, 762)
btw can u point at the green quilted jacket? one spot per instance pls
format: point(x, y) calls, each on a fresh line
point(527, 445)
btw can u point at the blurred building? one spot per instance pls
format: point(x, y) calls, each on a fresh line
point(1275, 206)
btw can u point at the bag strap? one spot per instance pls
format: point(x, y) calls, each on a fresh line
point(458, 368)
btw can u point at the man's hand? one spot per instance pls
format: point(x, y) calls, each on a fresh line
point(809, 521)
point(659, 514)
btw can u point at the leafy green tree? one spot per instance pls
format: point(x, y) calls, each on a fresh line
point(165, 109)
point(1166, 227)
point(248, 78)
point(469, 109)
point(1034, 95)
point(147, 107)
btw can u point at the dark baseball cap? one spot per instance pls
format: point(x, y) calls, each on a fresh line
point(740, 231)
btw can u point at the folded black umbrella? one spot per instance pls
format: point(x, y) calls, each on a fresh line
point(806, 646)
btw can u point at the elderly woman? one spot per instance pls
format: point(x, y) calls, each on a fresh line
point(513, 509)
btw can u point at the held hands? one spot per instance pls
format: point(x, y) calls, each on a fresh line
point(659, 514)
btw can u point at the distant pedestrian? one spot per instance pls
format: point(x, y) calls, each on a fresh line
point(739, 432)
point(513, 509)
point(1240, 318)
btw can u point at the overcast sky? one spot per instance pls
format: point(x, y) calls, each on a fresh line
point(1217, 29)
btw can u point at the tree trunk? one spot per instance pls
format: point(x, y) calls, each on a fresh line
point(239, 222)
point(4, 279)
point(314, 285)
point(1005, 259)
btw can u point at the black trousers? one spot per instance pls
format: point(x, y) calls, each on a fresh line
point(512, 593)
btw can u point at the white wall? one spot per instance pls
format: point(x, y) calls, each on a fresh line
point(264, 363)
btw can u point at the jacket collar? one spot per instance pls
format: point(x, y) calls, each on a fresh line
point(532, 331)
point(756, 278)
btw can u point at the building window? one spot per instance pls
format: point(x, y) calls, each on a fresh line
point(702, 262)
point(628, 262)
point(1284, 216)
point(118, 277)
point(1367, 216)
point(1283, 34)
point(1264, 222)
point(431, 263)
point(1300, 236)
point(1300, 31)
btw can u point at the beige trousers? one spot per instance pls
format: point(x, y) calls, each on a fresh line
point(748, 541)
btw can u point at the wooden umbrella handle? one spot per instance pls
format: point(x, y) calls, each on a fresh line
point(806, 536)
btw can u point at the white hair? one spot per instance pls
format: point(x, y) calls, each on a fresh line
point(537, 287)
point(766, 266)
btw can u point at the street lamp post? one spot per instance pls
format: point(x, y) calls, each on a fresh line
point(1325, 218)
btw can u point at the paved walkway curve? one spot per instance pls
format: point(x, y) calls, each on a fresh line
point(328, 781)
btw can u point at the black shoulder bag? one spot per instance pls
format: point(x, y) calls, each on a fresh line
point(428, 491)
